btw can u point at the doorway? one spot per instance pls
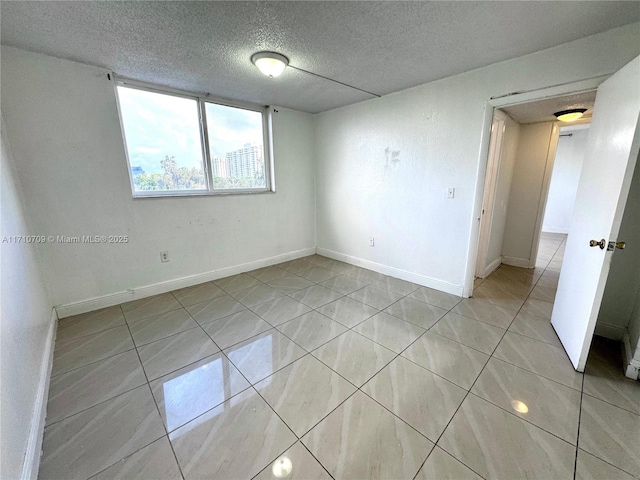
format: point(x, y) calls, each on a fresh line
point(532, 174)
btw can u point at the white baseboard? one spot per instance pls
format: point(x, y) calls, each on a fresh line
point(517, 262)
point(555, 230)
point(128, 295)
point(612, 332)
point(492, 267)
point(631, 364)
point(31, 463)
point(394, 272)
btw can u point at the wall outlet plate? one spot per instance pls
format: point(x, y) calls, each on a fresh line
point(164, 257)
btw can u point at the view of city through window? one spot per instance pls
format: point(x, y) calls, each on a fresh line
point(165, 150)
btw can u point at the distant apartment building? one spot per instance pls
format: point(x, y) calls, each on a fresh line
point(246, 162)
point(220, 167)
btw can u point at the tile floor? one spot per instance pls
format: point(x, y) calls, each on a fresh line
point(317, 369)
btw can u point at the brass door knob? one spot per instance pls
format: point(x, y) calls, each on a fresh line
point(621, 245)
point(595, 243)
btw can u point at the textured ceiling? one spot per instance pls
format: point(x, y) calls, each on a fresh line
point(543, 110)
point(381, 47)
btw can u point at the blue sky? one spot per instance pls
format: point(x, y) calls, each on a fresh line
point(156, 125)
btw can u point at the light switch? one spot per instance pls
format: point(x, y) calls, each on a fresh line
point(451, 192)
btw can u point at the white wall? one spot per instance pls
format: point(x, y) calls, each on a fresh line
point(64, 127)
point(25, 329)
point(532, 168)
point(564, 180)
point(623, 284)
point(437, 130)
point(503, 190)
point(634, 329)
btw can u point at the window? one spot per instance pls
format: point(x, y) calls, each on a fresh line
point(185, 144)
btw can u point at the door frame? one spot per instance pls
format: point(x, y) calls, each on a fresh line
point(490, 105)
point(494, 162)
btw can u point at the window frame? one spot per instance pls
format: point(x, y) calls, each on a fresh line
point(201, 100)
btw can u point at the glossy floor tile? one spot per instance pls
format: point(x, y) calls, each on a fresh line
point(91, 348)
point(442, 466)
point(198, 293)
point(160, 326)
point(280, 310)
point(264, 354)
point(295, 464)
point(416, 312)
point(84, 387)
point(422, 399)
point(236, 328)
point(469, 332)
point(295, 371)
point(304, 392)
point(481, 434)
point(88, 323)
point(449, 359)
point(611, 434)
point(361, 439)
point(311, 330)
point(354, 357)
point(538, 400)
point(174, 352)
point(86, 443)
point(347, 311)
point(538, 357)
point(244, 432)
point(154, 461)
point(215, 309)
point(148, 307)
point(435, 297)
point(195, 389)
point(389, 331)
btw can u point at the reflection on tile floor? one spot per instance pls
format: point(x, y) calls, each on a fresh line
point(315, 369)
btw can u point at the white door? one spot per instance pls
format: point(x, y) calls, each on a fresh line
point(488, 201)
point(612, 151)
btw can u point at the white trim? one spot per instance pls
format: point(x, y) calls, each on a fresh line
point(492, 267)
point(612, 332)
point(128, 295)
point(517, 262)
point(31, 463)
point(394, 272)
point(564, 231)
point(631, 364)
point(585, 85)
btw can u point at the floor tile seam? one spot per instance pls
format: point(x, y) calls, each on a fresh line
point(632, 475)
point(54, 375)
point(609, 403)
point(575, 463)
point(154, 379)
point(129, 455)
point(534, 373)
point(409, 321)
point(425, 368)
point(244, 309)
point(431, 304)
point(458, 342)
point(179, 307)
point(241, 289)
point(185, 306)
point(534, 338)
point(574, 445)
point(62, 342)
point(271, 327)
point(452, 456)
point(47, 425)
point(168, 336)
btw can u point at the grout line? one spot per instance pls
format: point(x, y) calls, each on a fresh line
point(575, 463)
point(155, 402)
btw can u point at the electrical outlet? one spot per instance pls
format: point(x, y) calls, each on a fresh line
point(164, 257)
point(371, 242)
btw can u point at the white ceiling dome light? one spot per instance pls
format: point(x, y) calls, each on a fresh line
point(270, 63)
